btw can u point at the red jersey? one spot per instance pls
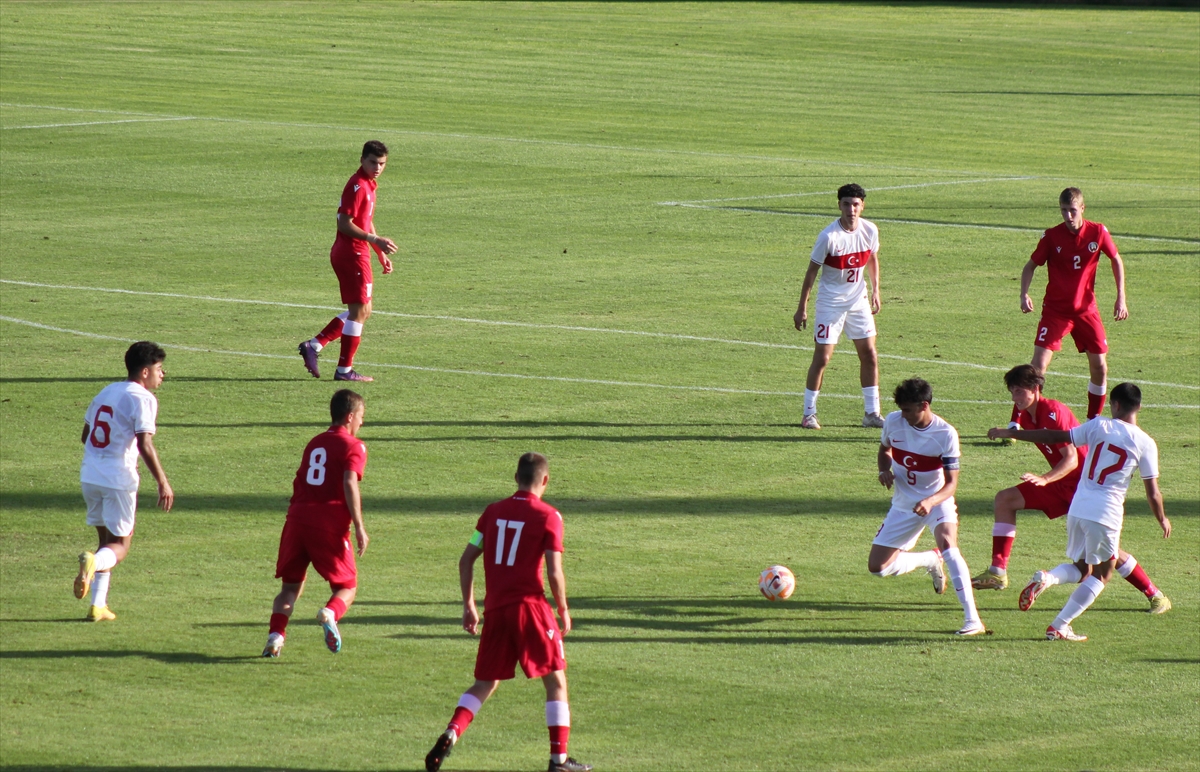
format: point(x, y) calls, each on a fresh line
point(358, 203)
point(516, 532)
point(1071, 260)
point(318, 492)
point(1052, 414)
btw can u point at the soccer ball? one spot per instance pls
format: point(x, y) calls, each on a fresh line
point(777, 583)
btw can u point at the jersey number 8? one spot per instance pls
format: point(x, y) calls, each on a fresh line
point(316, 467)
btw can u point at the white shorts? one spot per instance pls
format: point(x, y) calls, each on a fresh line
point(1091, 542)
point(902, 527)
point(114, 509)
point(858, 321)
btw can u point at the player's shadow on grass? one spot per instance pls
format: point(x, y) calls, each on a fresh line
point(166, 657)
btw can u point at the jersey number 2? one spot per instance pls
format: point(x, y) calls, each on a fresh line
point(501, 527)
point(100, 428)
point(316, 467)
point(1121, 455)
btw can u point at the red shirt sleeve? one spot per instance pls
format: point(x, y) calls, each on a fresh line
point(1041, 252)
point(553, 540)
point(354, 202)
point(1107, 246)
point(356, 457)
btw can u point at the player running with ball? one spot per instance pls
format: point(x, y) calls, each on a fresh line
point(1115, 446)
point(514, 536)
point(351, 259)
point(918, 454)
point(1051, 492)
point(843, 252)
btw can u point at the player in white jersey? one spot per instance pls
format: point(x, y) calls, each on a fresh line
point(843, 252)
point(918, 454)
point(1115, 446)
point(117, 428)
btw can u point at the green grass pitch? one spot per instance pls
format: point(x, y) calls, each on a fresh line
point(610, 179)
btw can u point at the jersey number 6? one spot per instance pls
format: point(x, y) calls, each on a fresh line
point(100, 428)
point(316, 467)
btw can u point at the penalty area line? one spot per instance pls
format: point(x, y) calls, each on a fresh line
point(564, 327)
point(514, 376)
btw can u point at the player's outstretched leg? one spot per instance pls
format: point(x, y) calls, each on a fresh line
point(1083, 597)
point(464, 713)
point(1133, 573)
point(1063, 573)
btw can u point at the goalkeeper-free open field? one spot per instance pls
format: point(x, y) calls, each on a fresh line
point(604, 214)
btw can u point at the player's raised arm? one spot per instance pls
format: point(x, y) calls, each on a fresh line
point(558, 587)
point(466, 581)
point(145, 445)
point(800, 318)
point(1039, 436)
point(1026, 280)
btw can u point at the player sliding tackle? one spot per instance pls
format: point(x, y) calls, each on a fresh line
point(1051, 492)
point(513, 536)
point(1097, 512)
point(844, 250)
point(918, 454)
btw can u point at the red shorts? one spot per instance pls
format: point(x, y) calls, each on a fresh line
point(1085, 327)
point(525, 633)
point(328, 551)
point(354, 276)
point(1053, 499)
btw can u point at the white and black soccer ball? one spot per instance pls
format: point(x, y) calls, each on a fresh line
point(777, 583)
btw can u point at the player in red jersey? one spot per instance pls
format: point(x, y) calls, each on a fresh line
point(325, 501)
point(351, 259)
point(1052, 492)
point(514, 535)
point(1071, 253)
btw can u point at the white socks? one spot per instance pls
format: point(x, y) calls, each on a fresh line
point(1064, 573)
point(100, 588)
point(810, 401)
point(470, 702)
point(960, 578)
point(1085, 594)
point(1100, 390)
point(558, 713)
point(906, 562)
point(105, 559)
point(353, 329)
point(1126, 568)
point(870, 400)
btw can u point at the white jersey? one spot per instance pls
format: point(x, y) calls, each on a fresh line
point(1114, 449)
point(919, 457)
point(119, 413)
point(843, 255)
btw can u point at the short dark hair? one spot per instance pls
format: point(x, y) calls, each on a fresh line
point(531, 468)
point(1070, 196)
point(1128, 394)
point(852, 190)
point(375, 148)
point(914, 391)
point(343, 403)
point(141, 355)
point(1025, 377)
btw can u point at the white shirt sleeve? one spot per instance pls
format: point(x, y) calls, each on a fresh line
point(145, 411)
point(875, 242)
point(1148, 463)
point(820, 249)
point(952, 452)
point(1080, 435)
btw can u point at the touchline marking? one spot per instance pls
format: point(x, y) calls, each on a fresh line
point(928, 223)
point(516, 376)
point(566, 327)
point(834, 192)
point(94, 123)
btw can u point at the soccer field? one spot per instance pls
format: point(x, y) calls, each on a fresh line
point(604, 215)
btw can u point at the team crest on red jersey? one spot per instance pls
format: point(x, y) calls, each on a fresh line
point(1092, 247)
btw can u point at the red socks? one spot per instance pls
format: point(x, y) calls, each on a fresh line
point(1001, 549)
point(349, 347)
point(279, 623)
point(1138, 579)
point(337, 606)
point(332, 332)
point(1095, 405)
point(558, 739)
point(461, 719)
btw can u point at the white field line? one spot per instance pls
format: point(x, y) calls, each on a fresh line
point(565, 327)
point(94, 123)
point(516, 376)
point(834, 192)
point(927, 223)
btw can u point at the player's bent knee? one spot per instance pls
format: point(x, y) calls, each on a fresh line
point(339, 586)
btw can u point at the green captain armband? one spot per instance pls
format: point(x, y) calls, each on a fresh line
point(476, 540)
